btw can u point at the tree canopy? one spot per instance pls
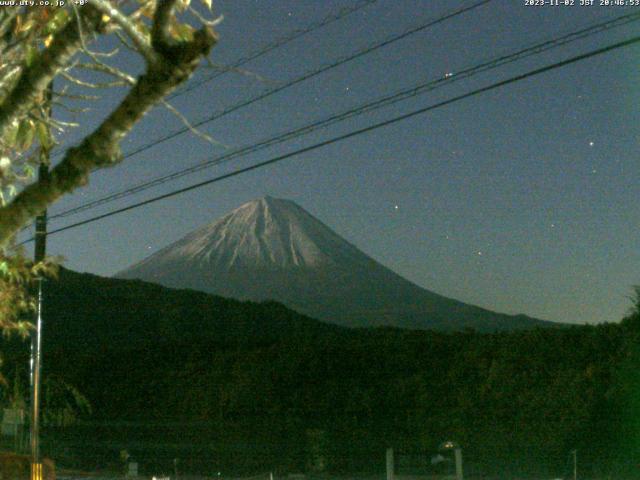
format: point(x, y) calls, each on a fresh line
point(248, 387)
point(72, 42)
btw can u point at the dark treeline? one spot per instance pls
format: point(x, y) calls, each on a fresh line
point(245, 388)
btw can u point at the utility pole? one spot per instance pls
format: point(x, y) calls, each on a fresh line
point(36, 334)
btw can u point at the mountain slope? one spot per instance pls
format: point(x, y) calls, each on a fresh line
point(86, 312)
point(273, 249)
point(117, 340)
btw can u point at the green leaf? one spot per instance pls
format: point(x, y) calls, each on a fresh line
point(184, 32)
point(29, 171)
point(183, 5)
point(30, 55)
point(44, 136)
point(5, 164)
point(58, 21)
point(11, 134)
point(25, 135)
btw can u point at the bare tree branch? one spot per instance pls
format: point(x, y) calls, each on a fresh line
point(160, 36)
point(35, 79)
point(174, 64)
point(139, 40)
point(109, 70)
point(125, 42)
point(69, 109)
point(82, 83)
point(192, 129)
point(240, 71)
point(71, 96)
point(209, 23)
point(6, 18)
point(109, 54)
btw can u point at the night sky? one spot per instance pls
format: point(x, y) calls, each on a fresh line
point(521, 200)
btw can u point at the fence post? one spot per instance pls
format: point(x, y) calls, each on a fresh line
point(458, 455)
point(390, 466)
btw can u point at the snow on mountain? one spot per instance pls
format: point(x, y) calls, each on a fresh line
point(272, 249)
point(266, 233)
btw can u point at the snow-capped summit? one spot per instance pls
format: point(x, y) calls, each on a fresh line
point(273, 249)
point(266, 233)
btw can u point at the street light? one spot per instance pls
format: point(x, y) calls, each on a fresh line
point(457, 451)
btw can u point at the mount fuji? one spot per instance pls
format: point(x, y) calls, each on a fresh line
point(273, 249)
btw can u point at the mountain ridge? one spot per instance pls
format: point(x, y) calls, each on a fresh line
point(273, 249)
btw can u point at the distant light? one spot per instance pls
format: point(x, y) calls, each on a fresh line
point(448, 445)
point(591, 144)
point(448, 75)
point(396, 207)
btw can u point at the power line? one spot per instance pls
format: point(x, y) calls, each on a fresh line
point(354, 133)
point(333, 17)
point(311, 74)
point(277, 44)
point(307, 76)
point(364, 108)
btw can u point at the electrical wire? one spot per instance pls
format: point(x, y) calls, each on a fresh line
point(357, 132)
point(343, 12)
point(295, 34)
point(308, 75)
point(364, 108)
